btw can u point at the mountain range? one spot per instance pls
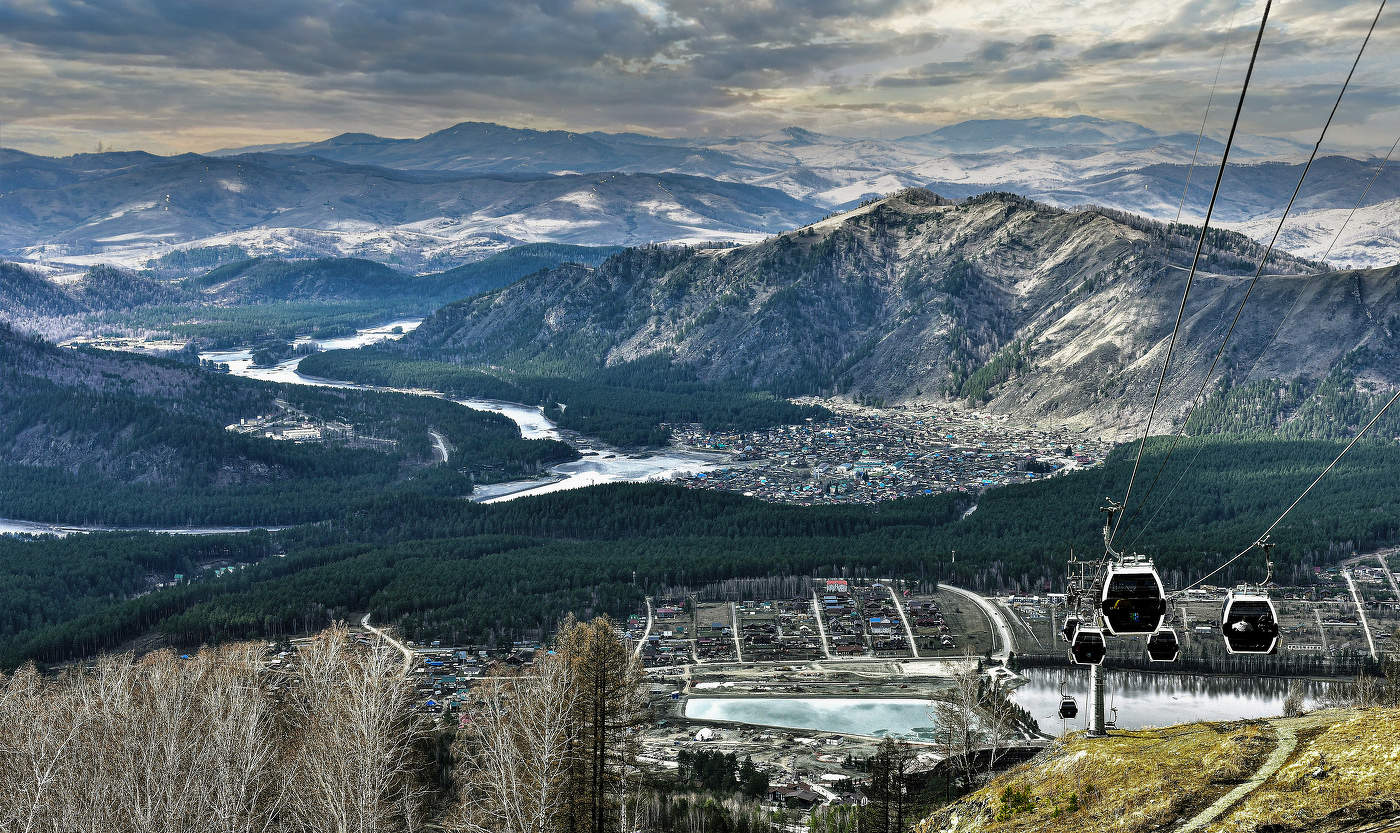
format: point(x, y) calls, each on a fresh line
point(458, 194)
point(1023, 307)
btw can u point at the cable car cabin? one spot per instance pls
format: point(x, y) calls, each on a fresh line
point(1088, 647)
point(1071, 626)
point(1068, 708)
point(1163, 646)
point(1133, 601)
point(1250, 623)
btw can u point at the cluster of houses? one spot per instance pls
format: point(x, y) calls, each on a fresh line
point(931, 630)
point(864, 456)
point(442, 675)
point(778, 630)
point(671, 638)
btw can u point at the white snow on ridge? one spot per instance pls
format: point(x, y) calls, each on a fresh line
point(1370, 240)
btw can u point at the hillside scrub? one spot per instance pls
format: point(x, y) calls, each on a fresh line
point(1151, 779)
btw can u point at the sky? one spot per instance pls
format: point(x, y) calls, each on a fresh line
point(192, 75)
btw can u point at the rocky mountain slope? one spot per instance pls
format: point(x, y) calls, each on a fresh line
point(1029, 309)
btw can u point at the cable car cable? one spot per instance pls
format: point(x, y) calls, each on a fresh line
point(1361, 199)
point(1190, 169)
point(1200, 135)
point(1196, 258)
point(1258, 272)
point(1264, 351)
point(1300, 497)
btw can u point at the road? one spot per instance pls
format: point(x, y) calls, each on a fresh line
point(738, 646)
point(999, 623)
point(821, 627)
point(1360, 611)
point(407, 654)
point(1389, 576)
point(1009, 612)
point(903, 617)
point(439, 445)
point(1322, 629)
point(637, 651)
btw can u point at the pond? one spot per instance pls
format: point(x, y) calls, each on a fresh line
point(872, 716)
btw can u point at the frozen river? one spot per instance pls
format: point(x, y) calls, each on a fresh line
point(600, 463)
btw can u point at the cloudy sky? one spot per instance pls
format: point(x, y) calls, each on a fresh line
point(178, 75)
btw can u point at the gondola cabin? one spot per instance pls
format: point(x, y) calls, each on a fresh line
point(1068, 708)
point(1249, 622)
point(1087, 647)
point(1133, 601)
point(1071, 625)
point(1163, 646)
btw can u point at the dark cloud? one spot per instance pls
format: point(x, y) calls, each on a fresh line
point(183, 74)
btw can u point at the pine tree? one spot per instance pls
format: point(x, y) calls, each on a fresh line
point(609, 687)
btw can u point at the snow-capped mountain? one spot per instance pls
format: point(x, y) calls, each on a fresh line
point(287, 204)
point(473, 188)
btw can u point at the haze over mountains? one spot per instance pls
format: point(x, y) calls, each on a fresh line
point(460, 193)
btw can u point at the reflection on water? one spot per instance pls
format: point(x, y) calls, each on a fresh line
point(876, 717)
point(1145, 700)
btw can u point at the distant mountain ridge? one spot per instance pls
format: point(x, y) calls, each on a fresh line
point(457, 194)
point(130, 210)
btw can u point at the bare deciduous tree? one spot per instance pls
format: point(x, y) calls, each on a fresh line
point(353, 760)
point(204, 744)
point(515, 754)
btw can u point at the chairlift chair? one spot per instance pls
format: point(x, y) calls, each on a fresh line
point(1249, 622)
point(1133, 601)
point(1088, 646)
point(1163, 646)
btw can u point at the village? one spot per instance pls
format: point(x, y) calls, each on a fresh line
point(801, 678)
point(865, 455)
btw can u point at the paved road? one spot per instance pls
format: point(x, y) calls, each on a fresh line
point(1389, 576)
point(903, 617)
point(1321, 628)
point(734, 617)
point(821, 628)
point(407, 654)
point(1012, 614)
point(999, 623)
point(1360, 611)
point(637, 651)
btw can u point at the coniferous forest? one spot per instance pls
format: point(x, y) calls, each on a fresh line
point(447, 568)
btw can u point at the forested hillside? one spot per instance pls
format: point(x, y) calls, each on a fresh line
point(463, 571)
point(998, 300)
point(632, 404)
point(91, 436)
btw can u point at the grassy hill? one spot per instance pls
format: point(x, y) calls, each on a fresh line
point(1325, 772)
